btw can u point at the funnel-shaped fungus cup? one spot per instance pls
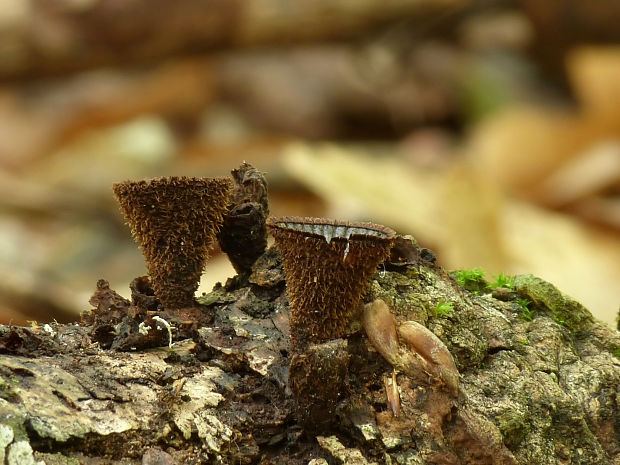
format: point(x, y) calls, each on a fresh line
point(175, 220)
point(328, 265)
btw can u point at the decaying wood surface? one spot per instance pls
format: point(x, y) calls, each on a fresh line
point(540, 388)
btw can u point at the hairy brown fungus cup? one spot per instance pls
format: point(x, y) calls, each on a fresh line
point(328, 265)
point(175, 220)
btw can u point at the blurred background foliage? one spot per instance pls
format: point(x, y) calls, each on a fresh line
point(489, 130)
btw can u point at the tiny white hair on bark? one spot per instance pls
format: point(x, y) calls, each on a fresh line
point(168, 327)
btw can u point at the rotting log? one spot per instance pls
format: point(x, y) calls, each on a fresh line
point(535, 388)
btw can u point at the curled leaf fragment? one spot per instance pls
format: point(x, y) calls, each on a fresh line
point(380, 327)
point(433, 356)
point(392, 394)
point(410, 347)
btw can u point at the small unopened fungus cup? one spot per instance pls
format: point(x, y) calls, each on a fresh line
point(175, 220)
point(328, 265)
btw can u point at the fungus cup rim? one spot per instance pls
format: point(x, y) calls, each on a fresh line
point(351, 230)
point(164, 180)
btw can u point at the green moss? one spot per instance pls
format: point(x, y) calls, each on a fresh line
point(473, 280)
point(444, 309)
point(526, 311)
point(545, 295)
point(502, 280)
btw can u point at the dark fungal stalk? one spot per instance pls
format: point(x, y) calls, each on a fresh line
point(328, 264)
point(243, 236)
point(175, 221)
point(317, 378)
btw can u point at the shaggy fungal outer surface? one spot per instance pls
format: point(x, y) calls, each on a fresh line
point(328, 265)
point(175, 221)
